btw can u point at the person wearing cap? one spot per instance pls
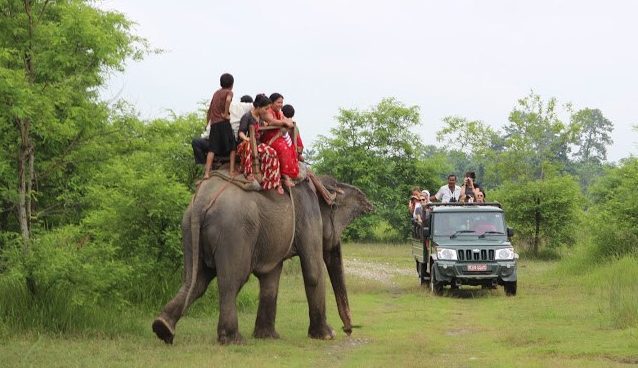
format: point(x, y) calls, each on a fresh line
point(425, 194)
point(416, 195)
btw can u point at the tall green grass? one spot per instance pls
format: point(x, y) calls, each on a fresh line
point(616, 278)
point(54, 312)
point(623, 292)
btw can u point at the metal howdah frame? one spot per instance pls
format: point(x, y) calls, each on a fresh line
point(459, 204)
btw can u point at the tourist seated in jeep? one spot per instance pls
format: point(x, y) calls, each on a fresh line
point(448, 193)
point(413, 199)
point(480, 197)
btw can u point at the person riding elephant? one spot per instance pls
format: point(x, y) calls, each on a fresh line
point(229, 233)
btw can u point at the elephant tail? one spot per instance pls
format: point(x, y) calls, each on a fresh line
point(195, 221)
point(195, 232)
point(195, 216)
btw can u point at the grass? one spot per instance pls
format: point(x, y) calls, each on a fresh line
point(558, 319)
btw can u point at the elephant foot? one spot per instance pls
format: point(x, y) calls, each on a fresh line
point(265, 333)
point(347, 330)
point(233, 338)
point(324, 332)
point(163, 330)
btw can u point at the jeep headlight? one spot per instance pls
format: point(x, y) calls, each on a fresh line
point(505, 254)
point(446, 254)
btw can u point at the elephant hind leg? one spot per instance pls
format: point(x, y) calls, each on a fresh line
point(164, 325)
point(267, 310)
point(231, 276)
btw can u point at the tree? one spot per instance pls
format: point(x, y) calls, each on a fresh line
point(377, 151)
point(536, 142)
point(593, 140)
point(53, 56)
point(471, 145)
point(594, 137)
point(470, 137)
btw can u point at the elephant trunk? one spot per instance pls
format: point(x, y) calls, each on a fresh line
point(334, 264)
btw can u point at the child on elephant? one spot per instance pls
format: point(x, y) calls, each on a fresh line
point(289, 112)
point(222, 139)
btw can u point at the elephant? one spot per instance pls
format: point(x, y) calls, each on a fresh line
point(229, 233)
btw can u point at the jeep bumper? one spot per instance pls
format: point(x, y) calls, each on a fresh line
point(457, 272)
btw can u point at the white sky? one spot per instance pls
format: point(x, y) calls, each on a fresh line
point(460, 57)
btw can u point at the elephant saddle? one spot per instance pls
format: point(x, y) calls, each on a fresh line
point(253, 185)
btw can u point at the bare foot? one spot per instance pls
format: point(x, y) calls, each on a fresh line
point(280, 190)
point(288, 182)
point(206, 175)
point(250, 177)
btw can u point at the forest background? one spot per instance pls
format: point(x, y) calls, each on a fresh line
point(91, 196)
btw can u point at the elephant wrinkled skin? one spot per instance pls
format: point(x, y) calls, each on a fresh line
point(229, 233)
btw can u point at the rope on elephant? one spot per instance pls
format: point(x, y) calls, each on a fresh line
point(292, 238)
point(216, 196)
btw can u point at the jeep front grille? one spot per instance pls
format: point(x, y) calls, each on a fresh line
point(470, 255)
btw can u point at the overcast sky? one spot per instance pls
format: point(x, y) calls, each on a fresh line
point(461, 57)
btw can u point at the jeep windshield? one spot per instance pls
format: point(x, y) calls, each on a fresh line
point(458, 224)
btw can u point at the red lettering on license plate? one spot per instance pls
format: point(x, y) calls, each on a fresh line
point(477, 267)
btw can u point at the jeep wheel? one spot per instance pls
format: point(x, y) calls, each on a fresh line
point(436, 287)
point(510, 288)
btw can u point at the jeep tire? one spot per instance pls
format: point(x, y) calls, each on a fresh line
point(510, 288)
point(421, 269)
point(436, 287)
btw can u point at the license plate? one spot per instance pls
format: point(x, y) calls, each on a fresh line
point(477, 267)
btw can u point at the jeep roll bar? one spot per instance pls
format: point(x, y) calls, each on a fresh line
point(461, 204)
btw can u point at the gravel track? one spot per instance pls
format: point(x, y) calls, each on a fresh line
point(376, 271)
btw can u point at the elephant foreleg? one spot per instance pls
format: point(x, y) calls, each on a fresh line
point(334, 264)
point(312, 269)
point(164, 325)
point(267, 310)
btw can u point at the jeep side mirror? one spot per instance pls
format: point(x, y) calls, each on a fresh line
point(510, 232)
point(426, 232)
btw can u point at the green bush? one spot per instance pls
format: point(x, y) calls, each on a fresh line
point(614, 212)
point(64, 284)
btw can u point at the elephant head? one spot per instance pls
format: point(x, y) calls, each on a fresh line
point(350, 203)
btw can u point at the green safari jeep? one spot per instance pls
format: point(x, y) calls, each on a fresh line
point(465, 244)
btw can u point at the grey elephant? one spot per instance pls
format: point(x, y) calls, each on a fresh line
point(229, 233)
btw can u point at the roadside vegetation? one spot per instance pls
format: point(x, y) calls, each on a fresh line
point(91, 199)
point(558, 319)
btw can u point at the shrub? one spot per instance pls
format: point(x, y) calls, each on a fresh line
point(614, 212)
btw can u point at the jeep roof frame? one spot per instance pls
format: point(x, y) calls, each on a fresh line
point(461, 204)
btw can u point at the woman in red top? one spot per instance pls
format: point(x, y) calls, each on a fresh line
point(282, 143)
point(271, 178)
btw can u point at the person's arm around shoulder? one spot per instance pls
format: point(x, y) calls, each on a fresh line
point(271, 121)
